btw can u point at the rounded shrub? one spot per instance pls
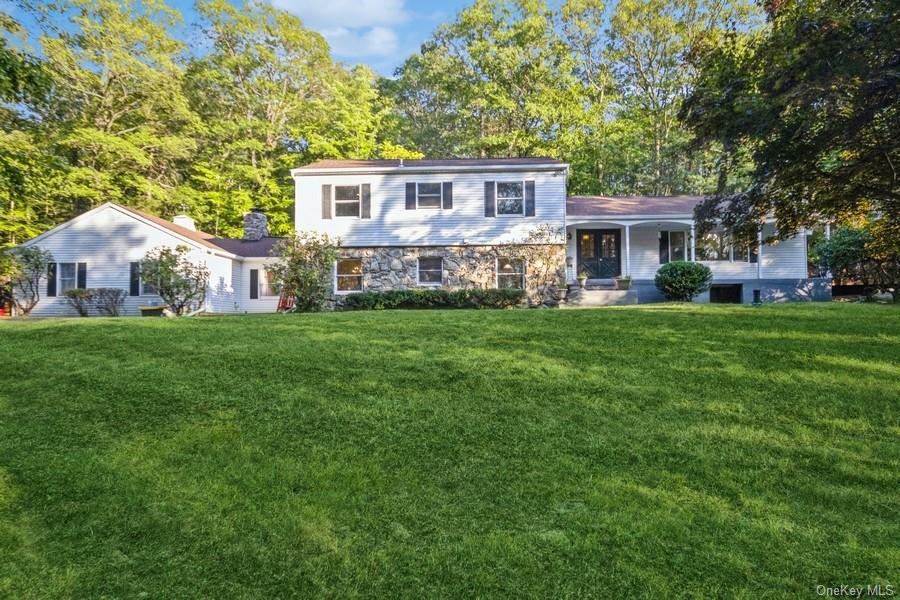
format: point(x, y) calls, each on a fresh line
point(681, 280)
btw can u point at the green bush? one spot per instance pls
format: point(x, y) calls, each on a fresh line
point(682, 280)
point(434, 298)
point(80, 300)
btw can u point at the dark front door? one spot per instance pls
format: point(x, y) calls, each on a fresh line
point(599, 253)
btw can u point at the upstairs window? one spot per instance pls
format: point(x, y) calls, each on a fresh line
point(346, 201)
point(431, 270)
point(428, 195)
point(510, 198)
point(511, 273)
point(349, 275)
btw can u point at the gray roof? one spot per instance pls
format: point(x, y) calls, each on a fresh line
point(621, 206)
point(247, 248)
point(449, 162)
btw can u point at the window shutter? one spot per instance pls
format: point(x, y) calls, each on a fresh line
point(51, 280)
point(254, 284)
point(134, 281)
point(754, 254)
point(490, 207)
point(529, 198)
point(448, 194)
point(663, 247)
point(326, 201)
point(410, 195)
point(366, 201)
point(81, 282)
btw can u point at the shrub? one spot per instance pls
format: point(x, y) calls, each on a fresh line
point(21, 271)
point(180, 283)
point(434, 298)
point(304, 267)
point(80, 300)
point(109, 301)
point(682, 280)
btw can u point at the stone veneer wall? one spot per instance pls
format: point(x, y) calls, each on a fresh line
point(464, 266)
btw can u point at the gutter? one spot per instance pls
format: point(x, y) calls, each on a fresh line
point(302, 171)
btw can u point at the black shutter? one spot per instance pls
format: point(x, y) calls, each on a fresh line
point(51, 279)
point(254, 284)
point(529, 198)
point(490, 207)
point(326, 201)
point(134, 281)
point(366, 201)
point(410, 196)
point(448, 194)
point(754, 254)
point(663, 247)
point(81, 282)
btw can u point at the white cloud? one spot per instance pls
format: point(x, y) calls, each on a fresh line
point(348, 14)
point(376, 41)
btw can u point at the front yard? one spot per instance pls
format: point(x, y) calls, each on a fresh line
point(653, 450)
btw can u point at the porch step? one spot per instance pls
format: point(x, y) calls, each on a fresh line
point(600, 284)
point(578, 298)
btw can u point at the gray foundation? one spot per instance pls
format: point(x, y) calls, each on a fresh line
point(770, 290)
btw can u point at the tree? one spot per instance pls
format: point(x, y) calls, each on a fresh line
point(815, 97)
point(859, 254)
point(22, 270)
point(180, 282)
point(116, 113)
point(304, 267)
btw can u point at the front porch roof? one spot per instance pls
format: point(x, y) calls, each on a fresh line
point(632, 207)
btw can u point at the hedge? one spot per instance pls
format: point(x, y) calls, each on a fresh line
point(434, 298)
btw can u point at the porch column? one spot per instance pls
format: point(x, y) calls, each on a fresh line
point(827, 231)
point(693, 245)
point(759, 253)
point(628, 250)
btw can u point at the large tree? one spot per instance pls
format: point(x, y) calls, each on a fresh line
point(816, 99)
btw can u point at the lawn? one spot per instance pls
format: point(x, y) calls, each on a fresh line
point(638, 451)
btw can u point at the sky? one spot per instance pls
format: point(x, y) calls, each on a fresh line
point(379, 33)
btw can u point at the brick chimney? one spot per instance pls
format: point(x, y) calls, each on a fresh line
point(256, 225)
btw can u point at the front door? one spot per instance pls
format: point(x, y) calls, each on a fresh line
point(599, 253)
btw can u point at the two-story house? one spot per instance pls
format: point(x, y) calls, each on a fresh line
point(433, 223)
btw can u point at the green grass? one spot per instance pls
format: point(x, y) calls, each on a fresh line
point(642, 451)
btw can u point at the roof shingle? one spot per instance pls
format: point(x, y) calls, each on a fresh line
point(620, 206)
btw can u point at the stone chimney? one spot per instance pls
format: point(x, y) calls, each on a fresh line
point(185, 221)
point(256, 225)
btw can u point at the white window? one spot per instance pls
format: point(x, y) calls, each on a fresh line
point(349, 275)
point(511, 273)
point(716, 246)
point(68, 277)
point(428, 195)
point(510, 198)
point(269, 286)
point(346, 201)
point(678, 245)
point(431, 270)
point(148, 288)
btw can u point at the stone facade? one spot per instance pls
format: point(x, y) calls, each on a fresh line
point(256, 225)
point(463, 266)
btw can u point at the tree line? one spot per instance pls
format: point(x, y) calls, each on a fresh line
point(788, 106)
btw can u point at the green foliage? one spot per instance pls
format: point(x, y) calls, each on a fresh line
point(861, 254)
point(815, 97)
point(304, 267)
point(434, 298)
point(180, 282)
point(23, 269)
point(682, 281)
point(80, 300)
point(109, 301)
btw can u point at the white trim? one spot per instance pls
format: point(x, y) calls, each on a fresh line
point(440, 205)
point(419, 281)
point(497, 271)
point(304, 171)
point(334, 201)
point(260, 285)
point(497, 212)
point(59, 288)
point(334, 285)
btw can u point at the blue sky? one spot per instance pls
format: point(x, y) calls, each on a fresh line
point(379, 33)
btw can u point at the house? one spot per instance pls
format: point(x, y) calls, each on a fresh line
point(434, 223)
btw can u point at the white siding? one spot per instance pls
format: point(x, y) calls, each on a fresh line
point(268, 304)
point(392, 225)
point(109, 240)
point(783, 260)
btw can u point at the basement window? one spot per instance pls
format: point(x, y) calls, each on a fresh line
point(511, 273)
point(349, 275)
point(431, 270)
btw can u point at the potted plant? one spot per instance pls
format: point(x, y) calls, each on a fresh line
point(623, 283)
point(582, 279)
point(562, 289)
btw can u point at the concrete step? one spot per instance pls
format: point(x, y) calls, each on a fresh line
point(600, 284)
point(578, 298)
